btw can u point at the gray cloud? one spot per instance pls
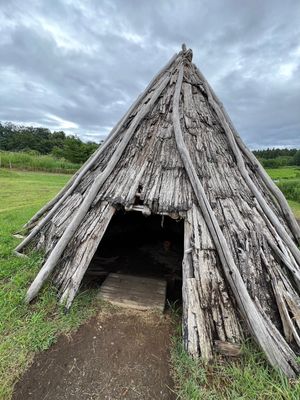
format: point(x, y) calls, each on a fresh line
point(77, 66)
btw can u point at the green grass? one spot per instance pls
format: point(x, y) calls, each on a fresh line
point(34, 162)
point(248, 378)
point(25, 330)
point(288, 181)
point(284, 173)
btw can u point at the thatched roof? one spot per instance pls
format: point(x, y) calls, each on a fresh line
point(177, 151)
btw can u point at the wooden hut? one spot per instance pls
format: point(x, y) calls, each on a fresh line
point(176, 154)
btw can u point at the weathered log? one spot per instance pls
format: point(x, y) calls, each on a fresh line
point(89, 198)
point(208, 312)
point(280, 250)
point(188, 332)
point(275, 350)
point(228, 349)
point(85, 250)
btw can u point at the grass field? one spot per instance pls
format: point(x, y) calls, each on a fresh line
point(284, 173)
point(25, 330)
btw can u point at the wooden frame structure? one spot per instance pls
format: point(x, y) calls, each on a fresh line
point(177, 152)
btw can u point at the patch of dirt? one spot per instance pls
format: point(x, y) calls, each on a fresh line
point(118, 355)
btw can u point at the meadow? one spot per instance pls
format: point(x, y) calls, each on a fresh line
point(25, 330)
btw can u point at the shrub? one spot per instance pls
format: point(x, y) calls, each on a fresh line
point(281, 161)
point(271, 163)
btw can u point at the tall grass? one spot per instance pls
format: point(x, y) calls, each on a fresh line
point(247, 378)
point(284, 173)
point(34, 162)
point(288, 181)
point(291, 189)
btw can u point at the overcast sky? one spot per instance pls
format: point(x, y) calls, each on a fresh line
point(78, 65)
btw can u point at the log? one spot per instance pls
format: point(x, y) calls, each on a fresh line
point(84, 253)
point(228, 349)
point(275, 350)
point(281, 251)
point(56, 253)
point(218, 316)
point(188, 332)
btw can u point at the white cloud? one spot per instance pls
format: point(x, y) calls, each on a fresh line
point(61, 123)
point(78, 66)
point(287, 70)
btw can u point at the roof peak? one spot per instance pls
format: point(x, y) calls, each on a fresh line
point(187, 53)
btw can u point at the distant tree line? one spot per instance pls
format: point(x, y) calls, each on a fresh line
point(42, 141)
point(39, 140)
point(274, 153)
point(276, 158)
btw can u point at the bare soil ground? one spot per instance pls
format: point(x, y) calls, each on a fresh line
point(117, 355)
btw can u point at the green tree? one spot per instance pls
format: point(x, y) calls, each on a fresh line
point(296, 158)
point(43, 141)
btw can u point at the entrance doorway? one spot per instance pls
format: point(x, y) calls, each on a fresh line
point(147, 246)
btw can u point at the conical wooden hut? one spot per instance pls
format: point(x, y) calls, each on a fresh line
point(176, 154)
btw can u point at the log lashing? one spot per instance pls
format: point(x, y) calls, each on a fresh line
point(176, 152)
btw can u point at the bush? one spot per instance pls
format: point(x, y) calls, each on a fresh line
point(271, 163)
point(281, 161)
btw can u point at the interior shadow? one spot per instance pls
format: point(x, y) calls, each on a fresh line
point(141, 245)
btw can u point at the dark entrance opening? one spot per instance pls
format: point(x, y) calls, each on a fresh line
point(140, 245)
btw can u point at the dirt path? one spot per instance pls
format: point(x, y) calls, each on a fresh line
point(119, 355)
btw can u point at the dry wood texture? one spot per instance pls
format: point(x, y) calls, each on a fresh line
point(176, 152)
point(138, 292)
